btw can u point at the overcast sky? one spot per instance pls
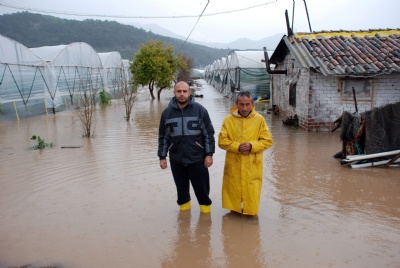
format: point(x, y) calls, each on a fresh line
point(225, 20)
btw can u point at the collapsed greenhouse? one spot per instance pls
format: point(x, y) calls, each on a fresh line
point(34, 80)
point(240, 70)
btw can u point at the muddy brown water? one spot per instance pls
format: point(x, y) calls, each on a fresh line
point(108, 204)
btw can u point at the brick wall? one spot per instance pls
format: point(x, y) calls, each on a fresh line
point(318, 98)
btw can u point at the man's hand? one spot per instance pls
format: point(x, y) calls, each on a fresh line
point(163, 163)
point(245, 148)
point(208, 161)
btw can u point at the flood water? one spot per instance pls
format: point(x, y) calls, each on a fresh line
point(108, 203)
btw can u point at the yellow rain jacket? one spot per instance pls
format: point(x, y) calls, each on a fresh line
point(242, 180)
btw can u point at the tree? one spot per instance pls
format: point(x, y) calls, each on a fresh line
point(126, 91)
point(185, 64)
point(154, 65)
point(84, 109)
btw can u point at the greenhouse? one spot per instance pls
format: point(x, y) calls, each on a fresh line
point(240, 70)
point(113, 71)
point(209, 73)
point(51, 78)
point(219, 70)
point(247, 72)
point(24, 80)
point(75, 68)
point(128, 75)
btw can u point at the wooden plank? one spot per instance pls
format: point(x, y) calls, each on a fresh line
point(392, 160)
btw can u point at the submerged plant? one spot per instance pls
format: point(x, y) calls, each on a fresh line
point(104, 98)
point(84, 109)
point(41, 144)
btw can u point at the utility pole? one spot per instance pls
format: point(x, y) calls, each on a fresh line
point(308, 18)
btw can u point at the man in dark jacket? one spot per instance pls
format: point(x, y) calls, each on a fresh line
point(186, 132)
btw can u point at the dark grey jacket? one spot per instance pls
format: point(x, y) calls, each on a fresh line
point(187, 134)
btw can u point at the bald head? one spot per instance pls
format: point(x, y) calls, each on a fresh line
point(181, 84)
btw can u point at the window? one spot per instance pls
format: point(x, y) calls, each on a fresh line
point(362, 88)
point(292, 94)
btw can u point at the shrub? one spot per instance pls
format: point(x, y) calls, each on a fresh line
point(41, 144)
point(104, 98)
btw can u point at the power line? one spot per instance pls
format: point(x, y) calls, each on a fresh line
point(192, 28)
point(141, 17)
point(132, 17)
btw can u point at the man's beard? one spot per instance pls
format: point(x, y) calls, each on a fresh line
point(182, 102)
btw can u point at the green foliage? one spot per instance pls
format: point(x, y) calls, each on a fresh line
point(104, 98)
point(41, 144)
point(154, 63)
point(184, 68)
point(35, 30)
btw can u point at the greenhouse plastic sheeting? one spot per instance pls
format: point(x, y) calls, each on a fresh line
point(113, 70)
point(23, 73)
point(74, 68)
point(128, 74)
point(242, 70)
point(34, 79)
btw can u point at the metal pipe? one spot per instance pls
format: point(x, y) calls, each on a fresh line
point(266, 60)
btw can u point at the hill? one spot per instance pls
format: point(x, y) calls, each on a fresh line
point(35, 30)
point(270, 42)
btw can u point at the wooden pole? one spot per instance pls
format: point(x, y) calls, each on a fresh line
point(16, 111)
point(392, 160)
point(355, 100)
point(45, 106)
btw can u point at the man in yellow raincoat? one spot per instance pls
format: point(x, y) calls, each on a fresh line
point(244, 135)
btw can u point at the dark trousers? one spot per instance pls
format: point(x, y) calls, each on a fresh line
point(196, 174)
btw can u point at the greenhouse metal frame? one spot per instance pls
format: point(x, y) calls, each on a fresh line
point(33, 80)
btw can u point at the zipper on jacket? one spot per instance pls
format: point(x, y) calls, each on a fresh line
point(183, 131)
point(170, 146)
point(199, 145)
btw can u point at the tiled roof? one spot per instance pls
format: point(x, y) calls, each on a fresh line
point(341, 53)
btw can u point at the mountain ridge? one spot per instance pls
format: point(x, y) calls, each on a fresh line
point(270, 42)
point(36, 30)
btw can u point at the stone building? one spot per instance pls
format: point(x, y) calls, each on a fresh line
point(323, 69)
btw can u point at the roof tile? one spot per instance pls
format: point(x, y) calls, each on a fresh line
point(342, 52)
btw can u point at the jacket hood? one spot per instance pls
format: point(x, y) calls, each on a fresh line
point(235, 112)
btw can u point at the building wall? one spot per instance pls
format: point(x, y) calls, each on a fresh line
point(319, 99)
point(387, 89)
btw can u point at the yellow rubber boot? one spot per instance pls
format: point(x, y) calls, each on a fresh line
point(205, 209)
point(185, 206)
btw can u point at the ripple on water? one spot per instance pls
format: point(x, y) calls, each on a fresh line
point(68, 206)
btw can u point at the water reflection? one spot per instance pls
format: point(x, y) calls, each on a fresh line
point(191, 248)
point(306, 175)
point(147, 117)
point(241, 241)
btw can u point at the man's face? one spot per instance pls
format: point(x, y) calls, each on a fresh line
point(244, 105)
point(182, 93)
